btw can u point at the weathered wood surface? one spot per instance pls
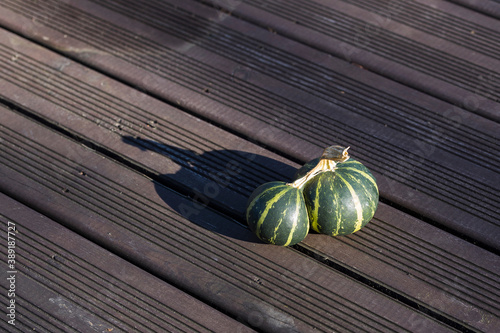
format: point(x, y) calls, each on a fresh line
point(219, 261)
point(81, 285)
point(143, 127)
point(488, 7)
point(296, 99)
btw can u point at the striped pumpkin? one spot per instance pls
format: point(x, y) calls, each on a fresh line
point(339, 201)
point(277, 214)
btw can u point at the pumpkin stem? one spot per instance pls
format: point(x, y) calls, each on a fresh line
point(329, 159)
point(337, 154)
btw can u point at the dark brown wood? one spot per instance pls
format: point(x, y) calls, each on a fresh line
point(66, 282)
point(427, 265)
point(489, 7)
point(381, 39)
point(221, 262)
point(135, 132)
point(425, 153)
point(124, 126)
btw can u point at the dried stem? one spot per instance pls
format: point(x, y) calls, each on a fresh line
point(329, 159)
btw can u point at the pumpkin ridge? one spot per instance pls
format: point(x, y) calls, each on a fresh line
point(366, 175)
point(357, 204)
point(297, 208)
point(316, 206)
point(338, 212)
point(268, 207)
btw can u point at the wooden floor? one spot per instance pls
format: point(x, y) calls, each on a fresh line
point(133, 132)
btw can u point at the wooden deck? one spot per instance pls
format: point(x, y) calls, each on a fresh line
point(133, 132)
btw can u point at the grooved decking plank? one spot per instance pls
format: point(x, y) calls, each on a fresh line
point(433, 268)
point(448, 22)
point(424, 152)
point(225, 169)
point(272, 288)
point(65, 282)
point(449, 64)
point(488, 7)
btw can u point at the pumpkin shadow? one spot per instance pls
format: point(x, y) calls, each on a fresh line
point(217, 184)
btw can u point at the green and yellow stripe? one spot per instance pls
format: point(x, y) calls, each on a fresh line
point(358, 224)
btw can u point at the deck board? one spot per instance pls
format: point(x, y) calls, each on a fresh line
point(132, 134)
point(74, 284)
point(426, 274)
point(383, 41)
point(488, 7)
point(423, 151)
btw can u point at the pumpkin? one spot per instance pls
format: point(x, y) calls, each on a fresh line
point(341, 194)
point(277, 214)
point(334, 195)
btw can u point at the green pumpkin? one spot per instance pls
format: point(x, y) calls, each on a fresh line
point(341, 195)
point(277, 214)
